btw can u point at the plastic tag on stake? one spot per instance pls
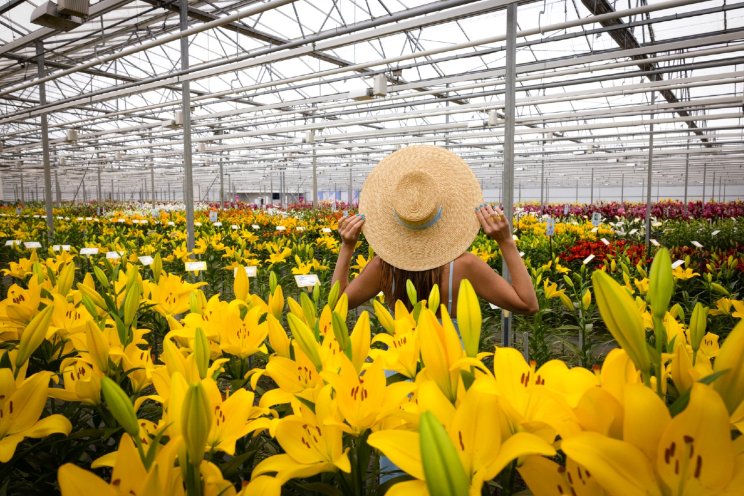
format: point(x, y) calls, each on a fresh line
point(30, 245)
point(596, 219)
point(112, 255)
point(677, 263)
point(327, 230)
point(603, 240)
point(13, 242)
point(633, 231)
point(307, 280)
point(588, 259)
point(299, 228)
point(171, 223)
point(281, 228)
point(493, 307)
point(89, 251)
point(654, 242)
point(194, 266)
point(234, 227)
point(145, 260)
point(715, 233)
point(550, 226)
point(255, 226)
point(696, 244)
point(217, 224)
point(250, 271)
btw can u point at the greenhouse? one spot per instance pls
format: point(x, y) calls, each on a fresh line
point(313, 247)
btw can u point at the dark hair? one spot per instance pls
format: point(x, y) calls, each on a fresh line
point(423, 281)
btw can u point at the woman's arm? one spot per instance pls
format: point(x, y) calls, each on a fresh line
point(349, 229)
point(519, 296)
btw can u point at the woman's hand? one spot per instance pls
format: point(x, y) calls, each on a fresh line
point(494, 223)
point(349, 229)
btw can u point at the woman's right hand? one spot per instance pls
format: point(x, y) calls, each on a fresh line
point(349, 229)
point(494, 223)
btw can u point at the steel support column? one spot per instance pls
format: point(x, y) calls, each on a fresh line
point(45, 143)
point(687, 175)
point(650, 171)
point(188, 182)
point(508, 175)
point(59, 190)
point(622, 188)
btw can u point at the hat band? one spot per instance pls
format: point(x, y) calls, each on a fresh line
point(419, 227)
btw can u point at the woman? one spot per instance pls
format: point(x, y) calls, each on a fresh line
point(420, 210)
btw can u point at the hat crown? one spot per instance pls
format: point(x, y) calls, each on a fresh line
point(415, 199)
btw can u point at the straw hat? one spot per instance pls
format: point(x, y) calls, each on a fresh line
point(419, 204)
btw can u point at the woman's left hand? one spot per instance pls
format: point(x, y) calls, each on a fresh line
point(494, 223)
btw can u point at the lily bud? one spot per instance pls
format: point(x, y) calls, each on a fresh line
point(196, 420)
point(241, 285)
point(97, 347)
point(201, 352)
point(120, 406)
point(719, 289)
point(308, 310)
point(131, 304)
point(443, 470)
point(305, 340)
point(276, 302)
point(342, 306)
point(383, 316)
point(468, 317)
point(433, 302)
point(341, 332)
point(101, 276)
point(586, 300)
point(333, 294)
point(272, 282)
point(698, 323)
point(66, 278)
point(661, 283)
point(620, 314)
point(411, 292)
point(94, 296)
point(33, 335)
point(157, 267)
point(278, 338)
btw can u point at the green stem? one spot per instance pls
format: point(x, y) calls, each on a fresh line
point(193, 480)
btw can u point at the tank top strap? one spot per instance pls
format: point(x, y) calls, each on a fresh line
point(449, 290)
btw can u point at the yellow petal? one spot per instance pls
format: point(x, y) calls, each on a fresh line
point(696, 448)
point(646, 417)
point(619, 467)
point(731, 384)
point(402, 449)
point(74, 481)
point(520, 444)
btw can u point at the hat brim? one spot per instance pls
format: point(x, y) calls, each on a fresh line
point(458, 193)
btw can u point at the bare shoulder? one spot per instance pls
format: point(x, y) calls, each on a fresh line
point(468, 261)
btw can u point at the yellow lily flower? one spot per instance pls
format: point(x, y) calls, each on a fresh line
point(81, 381)
point(440, 350)
point(310, 448)
point(684, 274)
point(21, 404)
point(171, 295)
point(691, 453)
point(473, 429)
point(245, 337)
point(738, 312)
point(403, 349)
point(731, 384)
point(544, 476)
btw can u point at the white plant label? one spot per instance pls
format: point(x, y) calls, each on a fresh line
point(300, 228)
point(255, 226)
point(79, 219)
point(588, 259)
point(715, 233)
point(89, 251)
point(281, 228)
point(493, 307)
point(250, 271)
point(194, 266)
point(32, 245)
point(234, 227)
point(197, 224)
point(654, 242)
point(633, 231)
point(12, 242)
point(327, 230)
point(113, 255)
point(145, 260)
point(603, 240)
point(550, 226)
point(171, 223)
point(595, 229)
point(60, 247)
point(521, 254)
point(696, 244)
point(135, 221)
point(596, 219)
point(677, 263)
point(307, 280)
point(89, 218)
point(217, 224)
point(121, 221)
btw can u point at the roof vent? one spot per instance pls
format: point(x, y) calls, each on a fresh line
point(48, 15)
